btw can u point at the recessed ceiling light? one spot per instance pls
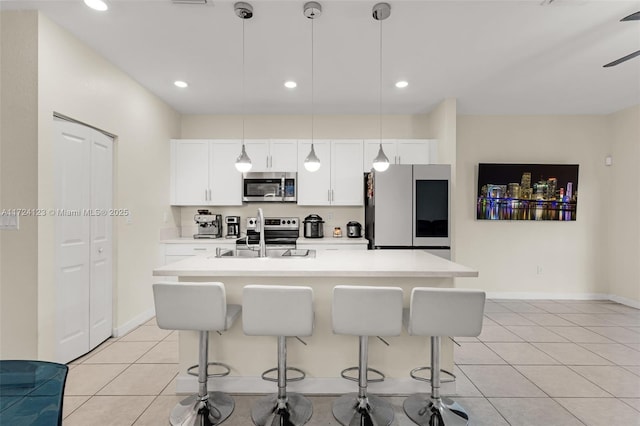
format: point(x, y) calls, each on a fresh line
point(181, 84)
point(401, 84)
point(96, 5)
point(290, 84)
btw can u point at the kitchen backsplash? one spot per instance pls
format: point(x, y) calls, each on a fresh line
point(332, 215)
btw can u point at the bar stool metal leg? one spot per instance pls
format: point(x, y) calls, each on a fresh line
point(205, 408)
point(362, 409)
point(282, 409)
point(435, 410)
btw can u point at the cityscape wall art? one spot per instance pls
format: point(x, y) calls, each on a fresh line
point(527, 192)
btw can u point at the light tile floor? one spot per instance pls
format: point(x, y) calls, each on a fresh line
point(537, 362)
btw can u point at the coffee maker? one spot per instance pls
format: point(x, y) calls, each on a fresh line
point(209, 224)
point(233, 226)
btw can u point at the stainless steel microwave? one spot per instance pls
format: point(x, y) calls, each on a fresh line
point(279, 187)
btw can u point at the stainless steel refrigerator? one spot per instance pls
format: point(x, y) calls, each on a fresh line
point(409, 206)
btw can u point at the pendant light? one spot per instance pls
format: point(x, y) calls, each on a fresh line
point(312, 10)
point(381, 11)
point(244, 12)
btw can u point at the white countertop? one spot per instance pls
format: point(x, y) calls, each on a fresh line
point(301, 240)
point(327, 263)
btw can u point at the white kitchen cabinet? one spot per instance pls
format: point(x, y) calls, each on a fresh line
point(272, 155)
point(337, 182)
point(314, 187)
point(401, 151)
point(347, 187)
point(179, 251)
point(203, 173)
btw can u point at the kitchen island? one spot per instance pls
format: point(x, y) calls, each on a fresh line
point(325, 354)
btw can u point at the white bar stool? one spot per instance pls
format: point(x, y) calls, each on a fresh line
point(201, 307)
point(365, 311)
point(281, 311)
point(438, 312)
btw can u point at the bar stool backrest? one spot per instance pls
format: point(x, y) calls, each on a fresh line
point(446, 312)
point(200, 306)
point(272, 310)
point(367, 310)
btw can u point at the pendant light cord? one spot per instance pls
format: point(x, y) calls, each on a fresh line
point(380, 89)
point(312, 85)
point(243, 72)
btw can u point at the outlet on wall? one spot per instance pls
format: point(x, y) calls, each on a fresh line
point(539, 269)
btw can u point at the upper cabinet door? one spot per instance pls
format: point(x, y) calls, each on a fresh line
point(283, 155)
point(347, 178)
point(413, 151)
point(258, 152)
point(371, 148)
point(190, 172)
point(225, 182)
point(314, 188)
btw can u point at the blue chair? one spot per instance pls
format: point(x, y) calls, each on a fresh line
point(31, 392)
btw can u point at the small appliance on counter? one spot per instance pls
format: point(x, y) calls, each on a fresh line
point(354, 229)
point(209, 224)
point(313, 226)
point(233, 226)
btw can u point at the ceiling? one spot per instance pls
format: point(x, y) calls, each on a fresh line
point(495, 57)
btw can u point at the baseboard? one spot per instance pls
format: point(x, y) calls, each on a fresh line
point(186, 384)
point(625, 301)
point(547, 296)
point(135, 322)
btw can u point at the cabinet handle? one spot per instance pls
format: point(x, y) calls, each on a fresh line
point(206, 195)
point(267, 161)
point(328, 195)
point(199, 248)
point(209, 194)
point(399, 160)
point(270, 161)
point(332, 195)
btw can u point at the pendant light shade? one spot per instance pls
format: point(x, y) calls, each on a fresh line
point(312, 162)
point(380, 12)
point(381, 162)
point(243, 163)
point(244, 11)
point(312, 10)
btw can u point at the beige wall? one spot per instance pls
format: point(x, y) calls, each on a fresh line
point(51, 71)
point(623, 206)
point(77, 82)
point(572, 255)
point(18, 183)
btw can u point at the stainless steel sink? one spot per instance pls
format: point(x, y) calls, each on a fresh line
point(272, 254)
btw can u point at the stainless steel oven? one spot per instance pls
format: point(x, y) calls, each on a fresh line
point(269, 187)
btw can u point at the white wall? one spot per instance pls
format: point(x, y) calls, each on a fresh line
point(572, 255)
point(623, 206)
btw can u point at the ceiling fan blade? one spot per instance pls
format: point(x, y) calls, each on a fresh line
point(624, 58)
point(632, 17)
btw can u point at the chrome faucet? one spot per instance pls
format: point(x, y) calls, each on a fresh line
point(262, 248)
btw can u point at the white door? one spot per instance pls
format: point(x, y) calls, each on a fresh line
point(225, 181)
point(72, 240)
point(314, 188)
point(414, 151)
point(347, 178)
point(371, 147)
point(101, 292)
point(83, 239)
point(258, 152)
point(283, 155)
point(190, 172)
